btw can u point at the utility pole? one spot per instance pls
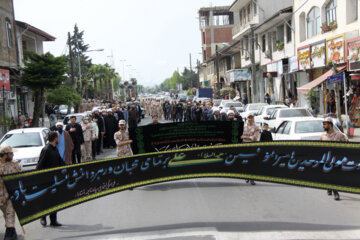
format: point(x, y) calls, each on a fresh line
point(4, 108)
point(190, 62)
point(253, 66)
point(71, 62)
point(217, 73)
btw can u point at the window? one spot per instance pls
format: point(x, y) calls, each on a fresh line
point(203, 35)
point(244, 15)
point(263, 43)
point(249, 11)
point(204, 55)
point(309, 127)
point(255, 8)
point(242, 47)
point(280, 33)
point(287, 113)
point(269, 39)
point(288, 31)
point(351, 11)
point(240, 14)
point(313, 22)
point(331, 12)
point(287, 128)
point(8, 33)
point(246, 43)
point(274, 41)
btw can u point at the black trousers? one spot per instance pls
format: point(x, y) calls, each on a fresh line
point(93, 148)
point(98, 144)
point(53, 217)
point(76, 153)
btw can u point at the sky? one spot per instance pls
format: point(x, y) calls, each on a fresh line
point(154, 37)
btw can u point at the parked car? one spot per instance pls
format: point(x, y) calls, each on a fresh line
point(27, 144)
point(252, 108)
point(300, 128)
point(278, 116)
point(225, 104)
point(61, 111)
point(190, 98)
point(182, 97)
point(216, 101)
point(265, 112)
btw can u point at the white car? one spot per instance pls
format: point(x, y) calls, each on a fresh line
point(252, 108)
point(27, 144)
point(278, 116)
point(265, 112)
point(225, 104)
point(300, 129)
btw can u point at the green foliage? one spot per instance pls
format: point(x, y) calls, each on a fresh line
point(62, 95)
point(188, 78)
point(226, 91)
point(43, 71)
point(313, 98)
point(116, 82)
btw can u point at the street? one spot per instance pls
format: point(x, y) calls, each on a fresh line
point(206, 209)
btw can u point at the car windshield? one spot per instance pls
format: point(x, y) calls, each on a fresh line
point(309, 127)
point(234, 104)
point(22, 140)
point(288, 113)
point(62, 107)
point(254, 107)
point(269, 111)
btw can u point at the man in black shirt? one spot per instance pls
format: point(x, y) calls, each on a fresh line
point(265, 134)
point(76, 133)
point(50, 158)
point(179, 111)
point(100, 122)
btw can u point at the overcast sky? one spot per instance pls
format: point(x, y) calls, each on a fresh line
point(155, 37)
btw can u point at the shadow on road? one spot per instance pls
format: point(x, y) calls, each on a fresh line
point(83, 228)
point(231, 227)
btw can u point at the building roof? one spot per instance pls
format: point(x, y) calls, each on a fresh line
point(35, 30)
point(216, 8)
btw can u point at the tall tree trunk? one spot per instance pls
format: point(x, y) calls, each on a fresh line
point(100, 88)
point(39, 106)
point(95, 86)
point(107, 89)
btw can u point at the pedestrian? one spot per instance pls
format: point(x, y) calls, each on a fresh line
point(223, 115)
point(216, 115)
point(173, 111)
point(26, 124)
point(155, 120)
point(100, 123)
point(21, 120)
point(198, 113)
point(332, 102)
point(245, 99)
point(50, 111)
point(7, 166)
point(65, 144)
point(188, 108)
point(123, 141)
point(76, 133)
point(332, 135)
point(250, 134)
point(96, 133)
point(89, 136)
point(179, 111)
point(50, 158)
point(267, 98)
point(111, 127)
point(167, 110)
point(265, 134)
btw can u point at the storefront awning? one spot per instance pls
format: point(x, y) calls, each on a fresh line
point(307, 87)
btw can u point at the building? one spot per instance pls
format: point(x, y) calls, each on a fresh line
point(8, 61)
point(29, 38)
point(322, 29)
point(216, 24)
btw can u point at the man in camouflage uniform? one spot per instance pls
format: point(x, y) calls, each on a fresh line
point(251, 134)
point(331, 135)
point(7, 166)
point(123, 141)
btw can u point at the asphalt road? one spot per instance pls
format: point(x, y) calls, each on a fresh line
point(207, 209)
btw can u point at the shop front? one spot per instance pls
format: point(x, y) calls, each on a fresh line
point(239, 79)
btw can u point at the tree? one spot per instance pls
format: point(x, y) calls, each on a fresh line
point(42, 72)
point(191, 78)
point(63, 95)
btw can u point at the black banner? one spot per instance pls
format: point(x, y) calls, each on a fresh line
point(322, 165)
point(174, 136)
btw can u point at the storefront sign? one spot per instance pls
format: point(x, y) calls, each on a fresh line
point(303, 56)
point(353, 52)
point(275, 67)
point(238, 75)
point(4, 80)
point(318, 55)
point(336, 78)
point(323, 165)
point(293, 64)
point(335, 49)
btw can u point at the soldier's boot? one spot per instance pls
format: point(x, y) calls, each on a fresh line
point(329, 192)
point(10, 234)
point(336, 195)
point(252, 182)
